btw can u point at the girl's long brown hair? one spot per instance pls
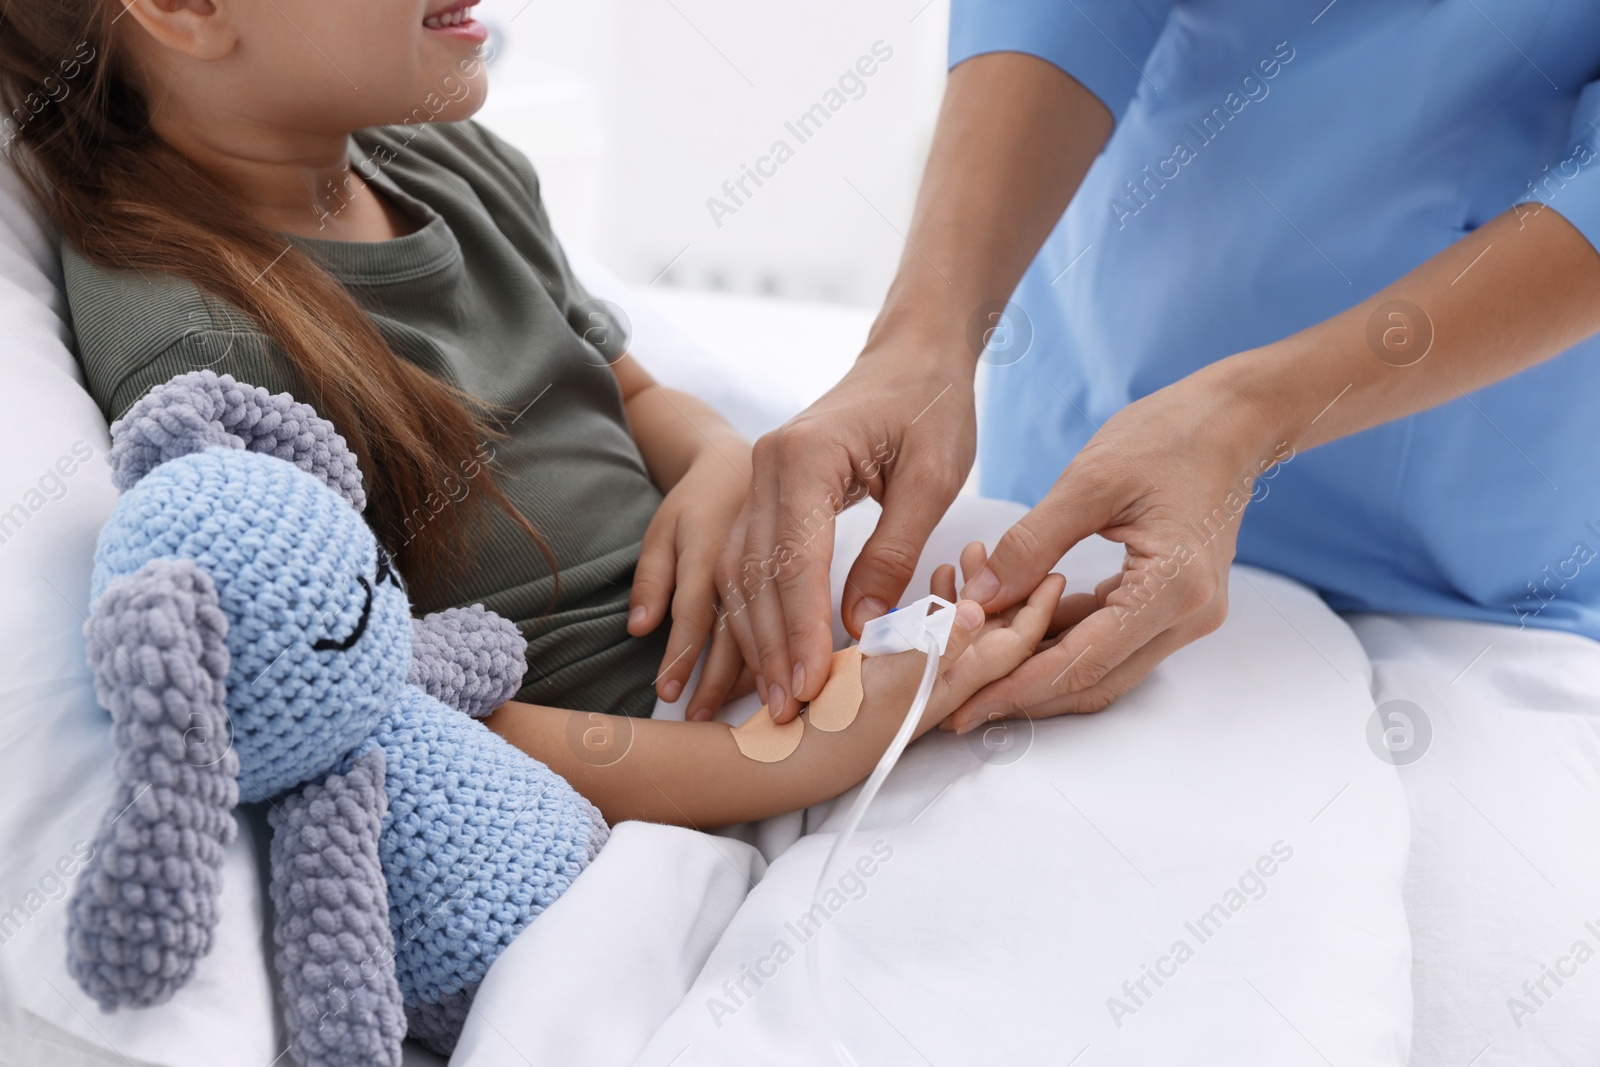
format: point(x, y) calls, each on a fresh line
point(127, 201)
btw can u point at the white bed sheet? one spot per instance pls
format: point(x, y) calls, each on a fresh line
point(1019, 894)
point(1503, 889)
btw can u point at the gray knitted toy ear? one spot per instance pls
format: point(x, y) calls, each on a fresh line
point(336, 952)
point(144, 910)
point(200, 410)
point(469, 659)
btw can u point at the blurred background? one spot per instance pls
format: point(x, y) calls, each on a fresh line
point(735, 159)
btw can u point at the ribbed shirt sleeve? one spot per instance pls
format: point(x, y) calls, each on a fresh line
point(1571, 185)
point(1101, 43)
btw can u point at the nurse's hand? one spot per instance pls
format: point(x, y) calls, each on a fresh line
point(900, 427)
point(1168, 477)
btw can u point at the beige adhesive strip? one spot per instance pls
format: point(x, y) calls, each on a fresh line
point(763, 740)
point(836, 706)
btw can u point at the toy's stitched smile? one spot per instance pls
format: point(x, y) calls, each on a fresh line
point(328, 644)
point(385, 573)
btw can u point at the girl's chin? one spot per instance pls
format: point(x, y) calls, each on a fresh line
point(450, 95)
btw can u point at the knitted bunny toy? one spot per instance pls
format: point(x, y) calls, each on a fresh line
point(253, 642)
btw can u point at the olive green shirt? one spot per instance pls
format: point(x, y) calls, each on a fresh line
point(481, 296)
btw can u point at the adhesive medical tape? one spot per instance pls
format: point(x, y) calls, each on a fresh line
point(840, 700)
point(834, 709)
point(764, 741)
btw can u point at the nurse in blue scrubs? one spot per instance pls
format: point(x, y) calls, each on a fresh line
point(1307, 284)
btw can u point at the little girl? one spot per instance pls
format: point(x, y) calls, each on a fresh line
point(289, 191)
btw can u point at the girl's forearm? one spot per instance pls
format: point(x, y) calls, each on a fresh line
point(692, 773)
point(673, 429)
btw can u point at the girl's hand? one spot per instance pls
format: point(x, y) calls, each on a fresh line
point(982, 650)
point(676, 564)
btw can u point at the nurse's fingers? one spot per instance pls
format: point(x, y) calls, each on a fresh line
point(1026, 692)
point(1071, 610)
point(1142, 606)
point(804, 595)
point(766, 560)
point(1078, 505)
point(914, 500)
point(734, 590)
point(1143, 620)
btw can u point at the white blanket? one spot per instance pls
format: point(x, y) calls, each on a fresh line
point(1211, 873)
point(1503, 889)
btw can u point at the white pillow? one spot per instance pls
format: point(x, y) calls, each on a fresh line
point(55, 756)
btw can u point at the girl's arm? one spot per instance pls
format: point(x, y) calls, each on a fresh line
point(693, 774)
point(703, 466)
point(675, 430)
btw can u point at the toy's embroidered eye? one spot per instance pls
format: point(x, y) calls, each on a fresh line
point(328, 644)
point(387, 571)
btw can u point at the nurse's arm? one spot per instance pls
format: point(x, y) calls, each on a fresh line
point(1014, 139)
point(1514, 293)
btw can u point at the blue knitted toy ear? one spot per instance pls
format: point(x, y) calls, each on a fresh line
point(200, 410)
point(144, 910)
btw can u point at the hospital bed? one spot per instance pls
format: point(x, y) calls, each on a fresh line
point(1241, 863)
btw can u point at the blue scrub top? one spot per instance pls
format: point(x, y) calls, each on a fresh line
point(1274, 163)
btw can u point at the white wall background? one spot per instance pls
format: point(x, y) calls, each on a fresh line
point(637, 111)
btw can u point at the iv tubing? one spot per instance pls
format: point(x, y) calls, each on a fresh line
point(919, 704)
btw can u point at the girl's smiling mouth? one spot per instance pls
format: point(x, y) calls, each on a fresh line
point(457, 21)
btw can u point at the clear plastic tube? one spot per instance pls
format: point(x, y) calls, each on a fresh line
point(919, 704)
